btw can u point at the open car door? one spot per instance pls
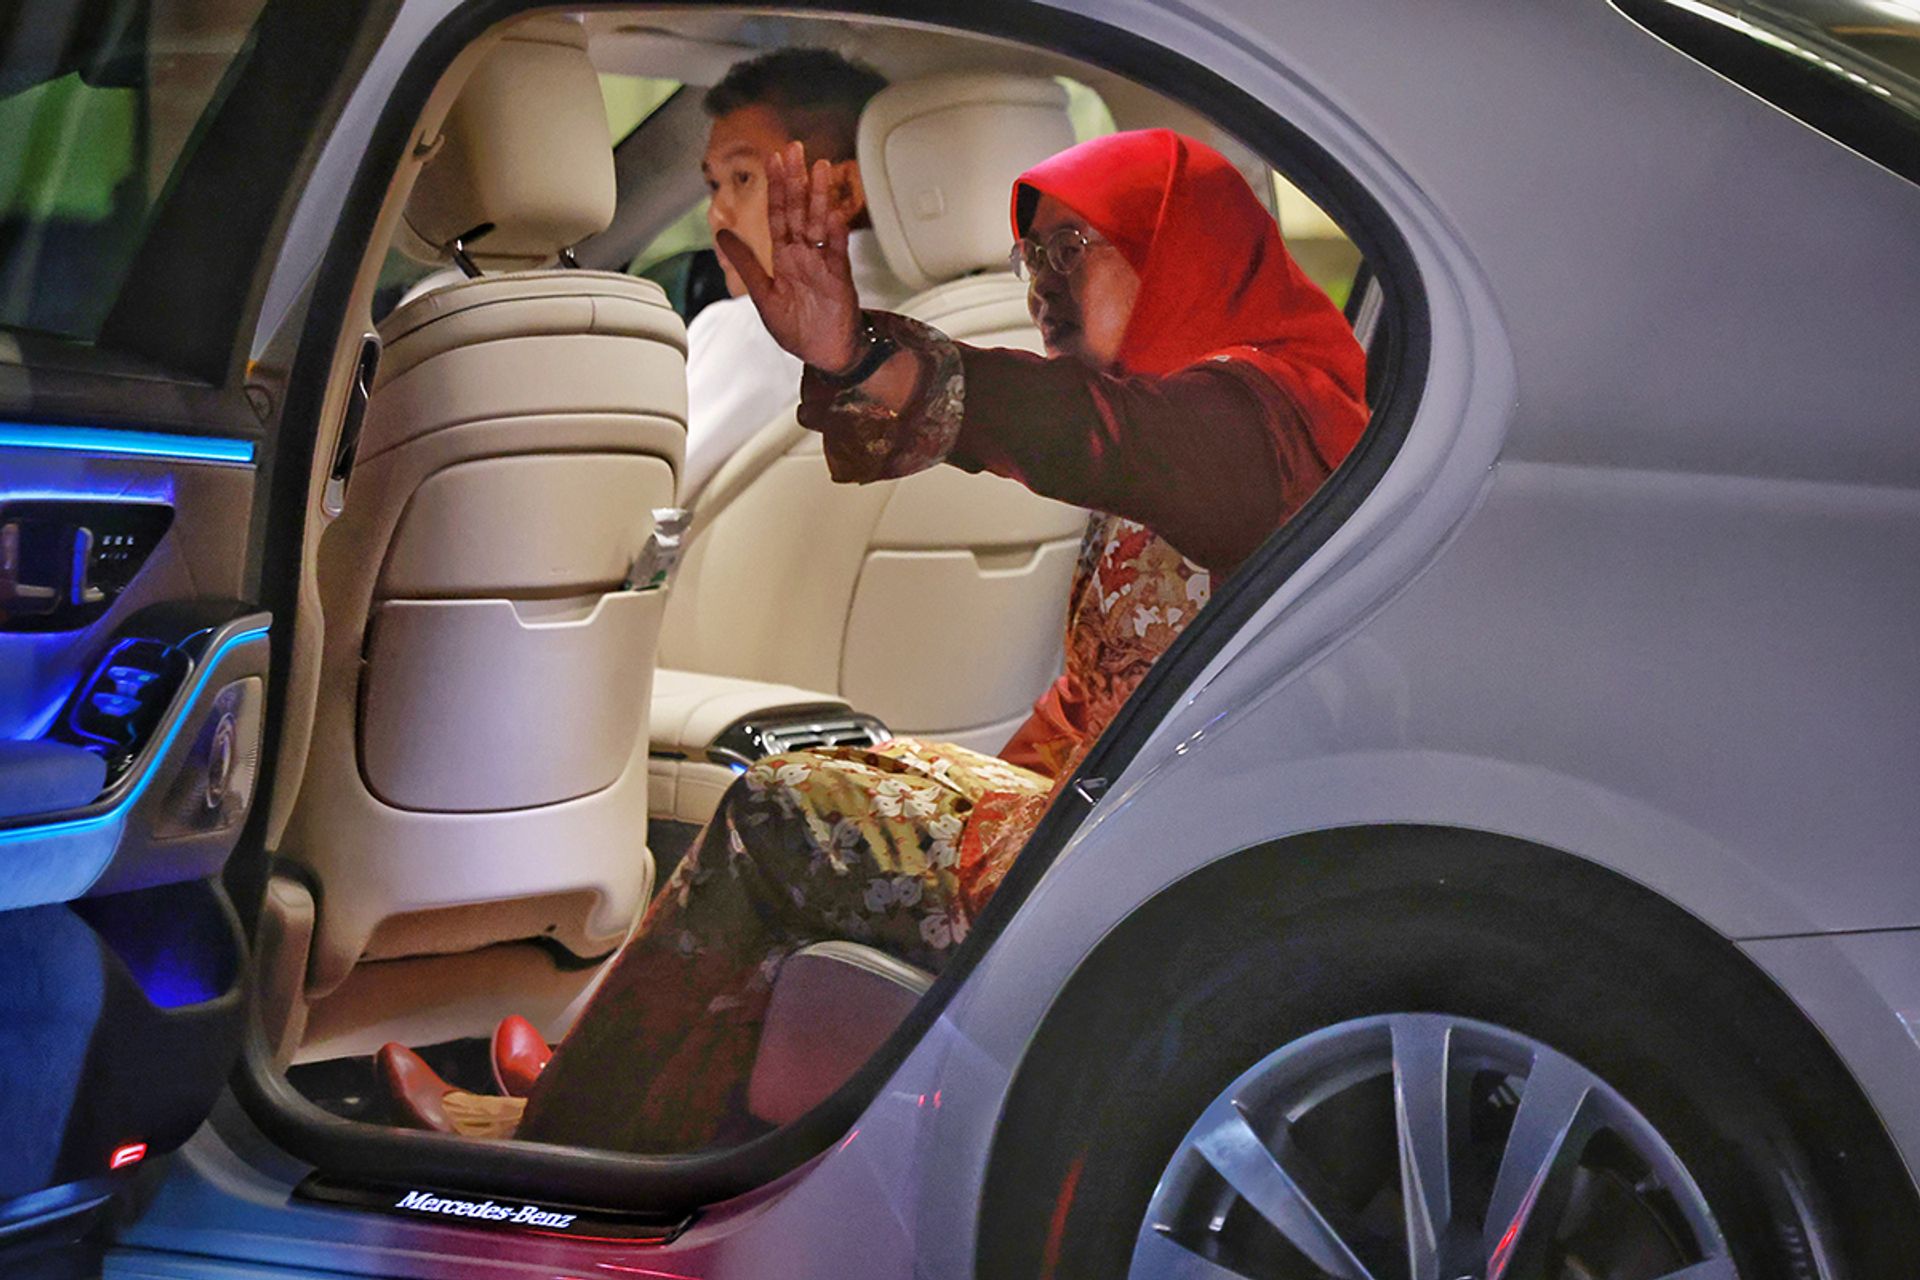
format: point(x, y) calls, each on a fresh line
point(147, 151)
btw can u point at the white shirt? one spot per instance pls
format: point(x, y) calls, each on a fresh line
point(738, 377)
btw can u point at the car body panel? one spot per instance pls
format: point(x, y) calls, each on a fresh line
point(1637, 587)
point(1863, 992)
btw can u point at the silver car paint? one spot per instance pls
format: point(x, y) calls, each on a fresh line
point(1638, 587)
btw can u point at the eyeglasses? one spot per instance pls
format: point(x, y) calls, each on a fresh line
point(1063, 252)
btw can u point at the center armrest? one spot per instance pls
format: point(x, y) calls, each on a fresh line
point(707, 728)
point(692, 708)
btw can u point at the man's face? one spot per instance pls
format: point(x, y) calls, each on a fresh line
point(735, 168)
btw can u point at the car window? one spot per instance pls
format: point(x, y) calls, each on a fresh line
point(1087, 109)
point(684, 234)
point(1849, 68)
point(96, 113)
point(1316, 241)
point(631, 99)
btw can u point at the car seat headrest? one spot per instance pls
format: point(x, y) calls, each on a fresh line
point(938, 158)
point(523, 167)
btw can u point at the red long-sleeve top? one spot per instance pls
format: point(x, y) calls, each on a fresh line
point(1213, 458)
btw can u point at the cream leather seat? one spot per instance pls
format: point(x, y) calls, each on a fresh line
point(936, 602)
point(478, 772)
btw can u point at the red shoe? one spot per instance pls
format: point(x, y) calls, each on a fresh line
point(414, 1089)
point(520, 1054)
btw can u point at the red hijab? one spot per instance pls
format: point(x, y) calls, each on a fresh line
point(1215, 278)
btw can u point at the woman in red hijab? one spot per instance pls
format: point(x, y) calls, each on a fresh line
point(1197, 388)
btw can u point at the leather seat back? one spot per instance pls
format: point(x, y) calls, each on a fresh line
point(479, 766)
point(936, 602)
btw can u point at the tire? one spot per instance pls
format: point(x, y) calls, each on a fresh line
point(1260, 952)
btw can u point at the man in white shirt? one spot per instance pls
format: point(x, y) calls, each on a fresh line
point(738, 378)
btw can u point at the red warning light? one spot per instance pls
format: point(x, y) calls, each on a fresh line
point(130, 1153)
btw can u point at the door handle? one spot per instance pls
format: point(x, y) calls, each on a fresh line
point(81, 590)
point(19, 595)
point(62, 563)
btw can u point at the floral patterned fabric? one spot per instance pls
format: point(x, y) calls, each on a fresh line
point(1132, 594)
point(892, 845)
point(870, 442)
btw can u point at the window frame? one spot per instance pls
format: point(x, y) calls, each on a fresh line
point(657, 1184)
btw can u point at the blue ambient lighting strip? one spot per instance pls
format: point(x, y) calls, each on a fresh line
point(76, 826)
point(129, 444)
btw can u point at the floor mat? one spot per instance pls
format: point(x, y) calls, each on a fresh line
point(350, 1089)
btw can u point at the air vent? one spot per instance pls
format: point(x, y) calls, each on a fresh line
point(807, 728)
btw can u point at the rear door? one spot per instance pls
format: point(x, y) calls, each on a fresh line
point(147, 148)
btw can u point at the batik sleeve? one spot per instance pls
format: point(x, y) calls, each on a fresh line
point(866, 441)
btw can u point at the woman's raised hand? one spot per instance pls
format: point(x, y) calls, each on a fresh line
point(808, 303)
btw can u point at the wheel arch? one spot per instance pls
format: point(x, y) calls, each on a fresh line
point(1260, 886)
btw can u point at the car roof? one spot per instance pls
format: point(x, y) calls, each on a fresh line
point(658, 176)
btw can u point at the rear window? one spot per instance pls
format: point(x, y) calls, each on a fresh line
point(98, 106)
point(1849, 68)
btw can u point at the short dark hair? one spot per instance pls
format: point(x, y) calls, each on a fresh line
point(817, 93)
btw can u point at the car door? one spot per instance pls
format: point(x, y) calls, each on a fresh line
point(147, 148)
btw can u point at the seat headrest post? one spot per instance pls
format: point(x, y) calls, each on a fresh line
point(457, 250)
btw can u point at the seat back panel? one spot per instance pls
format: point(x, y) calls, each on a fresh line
point(794, 579)
point(478, 765)
point(917, 654)
point(523, 712)
point(946, 507)
point(477, 768)
point(765, 591)
point(530, 525)
point(521, 378)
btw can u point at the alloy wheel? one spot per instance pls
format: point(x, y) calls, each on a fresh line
point(1426, 1147)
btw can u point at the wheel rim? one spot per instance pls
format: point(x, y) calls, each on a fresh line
point(1425, 1147)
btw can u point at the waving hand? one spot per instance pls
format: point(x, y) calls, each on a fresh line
point(808, 303)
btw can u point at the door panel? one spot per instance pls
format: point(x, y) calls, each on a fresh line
point(148, 154)
point(131, 708)
point(180, 759)
point(121, 1025)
